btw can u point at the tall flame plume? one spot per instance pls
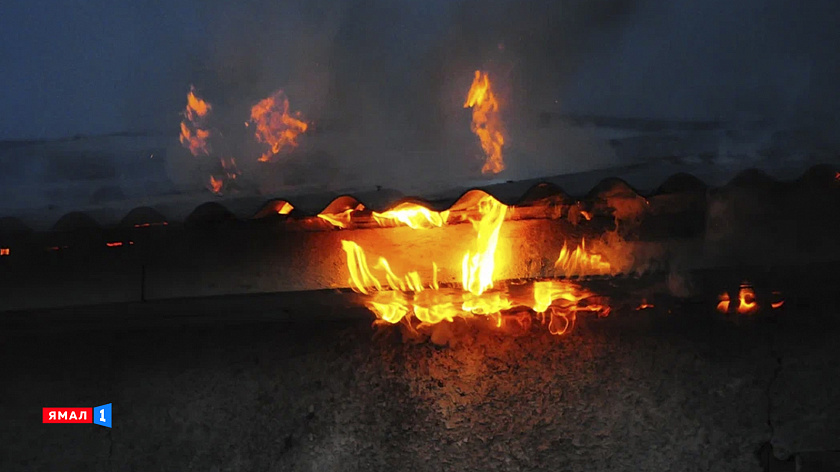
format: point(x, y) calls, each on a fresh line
point(194, 135)
point(486, 122)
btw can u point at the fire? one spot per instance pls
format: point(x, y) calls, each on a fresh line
point(229, 166)
point(412, 215)
point(746, 300)
point(194, 135)
point(275, 126)
point(778, 300)
point(4, 251)
point(341, 219)
point(477, 268)
point(216, 185)
point(285, 208)
point(723, 303)
point(580, 262)
point(407, 298)
point(486, 122)
point(747, 303)
point(644, 305)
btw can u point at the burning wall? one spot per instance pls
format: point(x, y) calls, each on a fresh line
point(290, 249)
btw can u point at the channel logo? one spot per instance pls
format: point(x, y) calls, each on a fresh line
point(100, 415)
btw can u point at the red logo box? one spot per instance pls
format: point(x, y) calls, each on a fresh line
point(68, 415)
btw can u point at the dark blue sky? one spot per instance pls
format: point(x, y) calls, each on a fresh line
point(101, 66)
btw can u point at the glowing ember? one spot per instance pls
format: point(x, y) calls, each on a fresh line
point(406, 298)
point(194, 135)
point(412, 215)
point(723, 303)
point(4, 251)
point(486, 122)
point(644, 305)
point(229, 166)
point(275, 126)
point(285, 208)
point(147, 225)
point(778, 301)
point(747, 304)
point(216, 185)
point(580, 262)
point(746, 300)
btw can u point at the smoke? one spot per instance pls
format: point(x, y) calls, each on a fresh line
point(383, 81)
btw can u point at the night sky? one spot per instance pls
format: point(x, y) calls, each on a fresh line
point(99, 66)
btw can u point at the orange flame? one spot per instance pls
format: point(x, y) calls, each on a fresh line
point(216, 185)
point(193, 134)
point(746, 300)
point(341, 219)
point(4, 251)
point(404, 298)
point(778, 300)
point(644, 305)
point(723, 303)
point(747, 304)
point(412, 215)
point(486, 122)
point(285, 208)
point(275, 126)
point(580, 262)
point(477, 268)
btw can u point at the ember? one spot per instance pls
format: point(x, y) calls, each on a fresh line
point(215, 185)
point(746, 300)
point(747, 303)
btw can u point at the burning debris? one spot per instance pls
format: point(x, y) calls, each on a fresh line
point(194, 134)
point(487, 122)
point(420, 304)
point(275, 126)
point(747, 302)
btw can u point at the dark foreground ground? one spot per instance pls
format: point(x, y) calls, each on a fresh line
point(689, 390)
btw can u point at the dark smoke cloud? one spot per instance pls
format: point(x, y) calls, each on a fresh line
point(384, 81)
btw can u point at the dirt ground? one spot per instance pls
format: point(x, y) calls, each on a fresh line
point(676, 387)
